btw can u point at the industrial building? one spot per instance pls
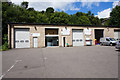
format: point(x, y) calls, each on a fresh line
point(35, 35)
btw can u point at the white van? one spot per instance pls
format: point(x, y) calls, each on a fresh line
point(107, 41)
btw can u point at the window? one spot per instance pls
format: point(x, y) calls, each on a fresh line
point(51, 31)
point(52, 41)
point(107, 39)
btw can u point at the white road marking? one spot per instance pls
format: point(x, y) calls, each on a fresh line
point(9, 69)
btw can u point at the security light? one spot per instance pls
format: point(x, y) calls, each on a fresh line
point(35, 28)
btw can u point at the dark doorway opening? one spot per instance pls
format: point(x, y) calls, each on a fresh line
point(99, 34)
point(64, 41)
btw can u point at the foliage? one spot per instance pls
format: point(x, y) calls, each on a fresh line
point(15, 13)
point(93, 20)
point(5, 38)
point(84, 20)
point(59, 18)
point(115, 16)
point(89, 13)
point(73, 19)
point(49, 10)
point(5, 45)
point(30, 9)
point(24, 4)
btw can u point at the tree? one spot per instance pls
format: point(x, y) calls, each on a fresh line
point(115, 16)
point(24, 4)
point(73, 19)
point(49, 10)
point(79, 14)
point(94, 20)
point(89, 13)
point(30, 9)
point(42, 18)
point(42, 12)
point(59, 18)
point(84, 20)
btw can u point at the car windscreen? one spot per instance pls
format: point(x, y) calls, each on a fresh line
point(112, 39)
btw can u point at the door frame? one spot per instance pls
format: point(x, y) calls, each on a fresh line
point(95, 32)
point(33, 42)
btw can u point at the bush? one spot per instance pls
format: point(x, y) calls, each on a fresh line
point(5, 38)
point(5, 46)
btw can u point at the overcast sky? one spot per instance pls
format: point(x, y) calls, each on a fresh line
point(100, 8)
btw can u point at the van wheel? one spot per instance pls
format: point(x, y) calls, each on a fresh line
point(111, 44)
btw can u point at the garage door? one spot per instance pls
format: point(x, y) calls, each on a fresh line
point(22, 38)
point(117, 34)
point(78, 38)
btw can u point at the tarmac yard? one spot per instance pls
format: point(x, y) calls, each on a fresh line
point(71, 62)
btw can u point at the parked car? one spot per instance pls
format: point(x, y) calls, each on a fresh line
point(107, 41)
point(117, 44)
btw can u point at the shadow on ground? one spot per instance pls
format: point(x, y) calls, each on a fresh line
point(118, 50)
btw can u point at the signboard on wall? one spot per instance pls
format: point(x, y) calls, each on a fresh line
point(65, 31)
point(35, 34)
point(87, 31)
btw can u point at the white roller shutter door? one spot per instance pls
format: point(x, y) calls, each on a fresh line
point(117, 34)
point(78, 38)
point(22, 38)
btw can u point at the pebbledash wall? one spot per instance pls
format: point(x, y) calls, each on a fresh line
point(108, 32)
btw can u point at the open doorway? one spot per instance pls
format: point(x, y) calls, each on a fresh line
point(51, 37)
point(98, 34)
